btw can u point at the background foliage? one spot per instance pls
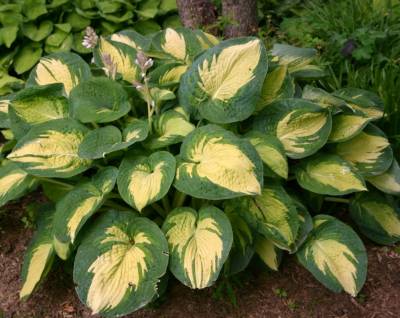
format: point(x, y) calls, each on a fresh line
point(32, 28)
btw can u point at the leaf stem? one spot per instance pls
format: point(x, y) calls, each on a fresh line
point(338, 200)
point(159, 210)
point(54, 181)
point(166, 205)
point(179, 199)
point(112, 204)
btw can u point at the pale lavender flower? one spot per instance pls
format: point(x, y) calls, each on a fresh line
point(90, 38)
point(110, 68)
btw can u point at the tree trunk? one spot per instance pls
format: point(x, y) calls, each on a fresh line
point(243, 14)
point(196, 13)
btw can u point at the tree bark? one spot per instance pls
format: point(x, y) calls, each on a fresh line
point(196, 13)
point(243, 14)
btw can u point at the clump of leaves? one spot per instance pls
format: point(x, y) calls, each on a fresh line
point(32, 28)
point(180, 152)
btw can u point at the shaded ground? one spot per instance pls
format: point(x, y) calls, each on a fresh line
point(292, 292)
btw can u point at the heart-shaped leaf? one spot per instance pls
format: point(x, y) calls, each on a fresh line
point(119, 263)
point(199, 243)
point(335, 255)
point(144, 180)
point(224, 84)
point(214, 164)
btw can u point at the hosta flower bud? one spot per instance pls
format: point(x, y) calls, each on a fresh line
point(90, 39)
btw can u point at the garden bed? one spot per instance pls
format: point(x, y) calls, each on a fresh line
point(291, 292)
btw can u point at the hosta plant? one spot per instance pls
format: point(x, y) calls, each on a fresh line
point(179, 152)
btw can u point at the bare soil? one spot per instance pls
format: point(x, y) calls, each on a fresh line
point(291, 292)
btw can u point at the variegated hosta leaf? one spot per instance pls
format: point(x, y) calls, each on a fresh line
point(389, 181)
point(4, 105)
point(119, 264)
point(224, 84)
point(277, 85)
point(133, 39)
point(335, 255)
point(170, 128)
point(38, 257)
point(305, 222)
point(199, 243)
point(122, 57)
point(66, 68)
point(51, 149)
point(214, 164)
point(365, 102)
point(104, 140)
point(14, 182)
point(77, 206)
point(36, 105)
point(168, 74)
point(329, 174)
point(369, 152)
point(273, 215)
point(207, 40)
point(301, 126)
point(180, 45)
point(377, 217)
point(144, 180)
point(322, 98)
point(272, 154)
point(346, 126)
point(99, 100)
point(268, 252)
point(293, 57)
point(242, 247)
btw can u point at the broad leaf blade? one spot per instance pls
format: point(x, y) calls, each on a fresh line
point(119, 264)
point(199, 243)
point(335, 255)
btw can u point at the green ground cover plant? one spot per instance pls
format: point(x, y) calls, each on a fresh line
point(359, 40)
point(177, 154)
point(32, 28)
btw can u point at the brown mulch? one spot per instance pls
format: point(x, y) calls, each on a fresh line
point(292, 292)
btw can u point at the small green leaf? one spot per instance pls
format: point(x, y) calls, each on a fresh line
point(27, 57)
point(99, 100)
